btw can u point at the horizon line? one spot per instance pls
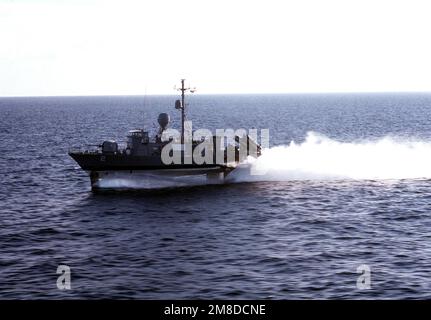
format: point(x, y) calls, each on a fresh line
point(211, 94)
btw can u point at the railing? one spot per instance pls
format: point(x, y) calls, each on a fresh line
point(88, 149)
point(94, 149)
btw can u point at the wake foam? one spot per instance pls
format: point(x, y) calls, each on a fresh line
point(322, 158)
point(120, 180)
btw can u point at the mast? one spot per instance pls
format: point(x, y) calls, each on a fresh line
point(182, 105)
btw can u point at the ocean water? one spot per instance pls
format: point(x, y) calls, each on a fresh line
point(346, 182)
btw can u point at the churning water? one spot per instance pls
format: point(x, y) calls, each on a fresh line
point(345, 182)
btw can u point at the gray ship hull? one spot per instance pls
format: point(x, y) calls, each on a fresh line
point(125, 171)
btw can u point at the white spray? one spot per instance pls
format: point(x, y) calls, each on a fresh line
point(321, 158)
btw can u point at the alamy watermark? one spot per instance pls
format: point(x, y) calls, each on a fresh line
point(203, 147)
point(364, 280)
point(64, 280)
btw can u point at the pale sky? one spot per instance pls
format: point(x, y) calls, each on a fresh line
point(91, 47)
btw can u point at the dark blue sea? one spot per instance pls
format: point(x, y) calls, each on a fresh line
point(347, 184)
